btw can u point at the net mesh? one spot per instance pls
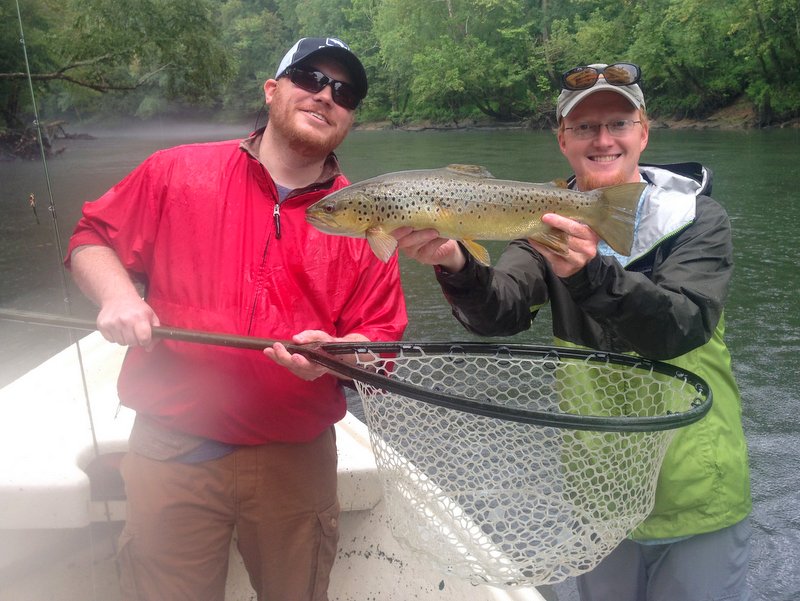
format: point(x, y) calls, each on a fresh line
point(508, 503)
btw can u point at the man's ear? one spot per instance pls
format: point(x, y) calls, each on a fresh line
point(645, 138)
point(560, 137)
point(269, 89)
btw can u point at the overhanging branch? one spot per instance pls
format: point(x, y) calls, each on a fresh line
point(101, 86)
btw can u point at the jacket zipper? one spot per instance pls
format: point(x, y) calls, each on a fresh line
point(276, 216)
point(259, 288)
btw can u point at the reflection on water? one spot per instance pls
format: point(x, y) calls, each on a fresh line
point(751, 180)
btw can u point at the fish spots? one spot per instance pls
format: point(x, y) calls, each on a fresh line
point(468, 207)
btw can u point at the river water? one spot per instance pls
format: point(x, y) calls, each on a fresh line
point(754, 175)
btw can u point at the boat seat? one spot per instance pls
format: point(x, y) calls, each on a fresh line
point(52, 477)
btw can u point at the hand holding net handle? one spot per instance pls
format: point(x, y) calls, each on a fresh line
point(311, 351)
point(325, 354)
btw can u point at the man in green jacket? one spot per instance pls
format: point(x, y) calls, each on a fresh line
point(664, 301)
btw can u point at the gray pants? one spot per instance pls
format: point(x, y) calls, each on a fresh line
point(704, 567)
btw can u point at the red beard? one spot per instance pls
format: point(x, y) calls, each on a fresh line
point(304, 141)
point(592, 182)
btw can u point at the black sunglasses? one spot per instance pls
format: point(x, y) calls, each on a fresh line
point(344, 94)
point(618, 74)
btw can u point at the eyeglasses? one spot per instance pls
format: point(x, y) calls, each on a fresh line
point(618, 74)
point(343, 94)
point(618, 128)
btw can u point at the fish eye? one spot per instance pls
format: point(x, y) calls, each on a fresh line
point(329, 208)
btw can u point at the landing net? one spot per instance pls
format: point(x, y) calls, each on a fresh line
point(532, 463)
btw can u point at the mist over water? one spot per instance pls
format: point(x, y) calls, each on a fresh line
point(753, 180)
point(30, 262)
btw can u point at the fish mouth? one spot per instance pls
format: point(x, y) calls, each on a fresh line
point(327, 224)
point(316, 221)
point(323, 224)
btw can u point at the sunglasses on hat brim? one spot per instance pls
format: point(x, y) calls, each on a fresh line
point(311, 80)
point(618, 74)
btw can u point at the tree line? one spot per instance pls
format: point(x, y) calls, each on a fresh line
point(436, 60)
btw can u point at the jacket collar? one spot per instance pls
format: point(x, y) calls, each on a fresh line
point(667, 206)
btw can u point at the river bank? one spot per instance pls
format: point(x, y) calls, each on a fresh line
point(738, 116)
point(24, 144)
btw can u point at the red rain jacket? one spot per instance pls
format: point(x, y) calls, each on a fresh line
point(196, 224)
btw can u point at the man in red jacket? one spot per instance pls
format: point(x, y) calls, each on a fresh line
point(215, 236)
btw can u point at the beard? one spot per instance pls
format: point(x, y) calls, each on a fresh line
point(305, 141)
point(592, 182)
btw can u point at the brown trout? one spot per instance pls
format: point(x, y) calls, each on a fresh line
point(466, 203)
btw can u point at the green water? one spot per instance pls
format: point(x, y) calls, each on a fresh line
point(754, 179)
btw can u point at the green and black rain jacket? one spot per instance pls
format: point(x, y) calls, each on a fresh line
point(663, 302)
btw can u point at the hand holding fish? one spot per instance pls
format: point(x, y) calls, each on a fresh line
point(581, 242)
point(428, 248)
point(298, 364)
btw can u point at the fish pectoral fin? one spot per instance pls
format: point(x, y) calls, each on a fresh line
point(476, 250)
point(472, 170)
point(381, 243)
point(555, 240)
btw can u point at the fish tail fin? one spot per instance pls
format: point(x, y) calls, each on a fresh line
point(476, 250)
point(615, 218)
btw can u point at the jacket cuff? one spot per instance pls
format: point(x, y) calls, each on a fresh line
point(579, 284)
point(458, 283)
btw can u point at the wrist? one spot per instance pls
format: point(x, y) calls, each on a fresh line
point(454, 263)
point(449, 268)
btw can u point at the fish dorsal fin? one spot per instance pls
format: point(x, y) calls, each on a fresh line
point(473, 170)
point(381, 243)
point(557, 183)
point(476, 250)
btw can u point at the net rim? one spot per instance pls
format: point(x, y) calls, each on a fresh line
point(700, 407)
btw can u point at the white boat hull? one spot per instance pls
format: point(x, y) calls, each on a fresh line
point(56, 542)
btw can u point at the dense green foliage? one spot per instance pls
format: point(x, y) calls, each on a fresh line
point(443, 60)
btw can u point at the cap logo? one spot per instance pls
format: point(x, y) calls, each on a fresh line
point(335, 42)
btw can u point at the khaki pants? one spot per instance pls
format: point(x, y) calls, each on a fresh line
point(281, 498)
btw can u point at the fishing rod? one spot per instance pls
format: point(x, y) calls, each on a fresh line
point(64, 284)
point(54, 218)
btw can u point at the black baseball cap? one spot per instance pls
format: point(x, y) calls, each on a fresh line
point(335, 48)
